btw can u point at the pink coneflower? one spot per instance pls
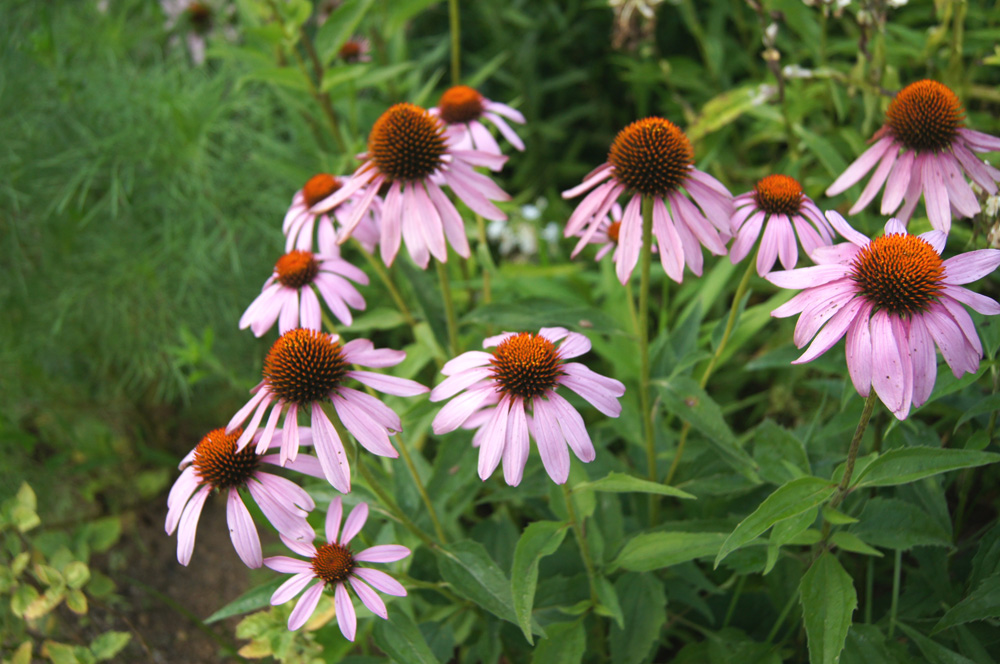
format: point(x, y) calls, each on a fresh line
point(653, 158)
point(335, 565)
point(923, 147)
point(410, 152)
point(524, 372)
point(216, 465)
point(895, 299)
point(462, 107)
point(305, 368)
point(605, 233)
point(301, 218)
point(295, 274)
point(355, 49)
point(777, 201)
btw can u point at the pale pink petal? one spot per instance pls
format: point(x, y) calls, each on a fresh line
point(301, 547)
point(496, 340)
point(901, 334)
point(824, 309)
point(483, 140)
point(354, 523)
point(391, 224)
point(452, 385)
point(467, 360)
point(411, 221)
point(310, 313)
point(333, 517)
point(330, 451)
point(251, 428)
point(551, 443)
point(267, 436)
point(629, 239)
point(181, 492)
point(602, 392)
point(292, 587)
point(290, 437)
point(861, 165)
point(895, 227)
point(981, 303)
point(306, 606)
point(832, 331)
point(374, 408)
point(600, 173)
point(282, 514)
point(808, 277)
point(381, 581)
point(975, 168)
point(261, 392)
point(937, 240)
point(491, 450)
point(369, 597)
point(458, 410)
point(970, 266)
point(287, 565)
point(575, 345)
point(985, 142)
point(924, 359)
point(515, 449)
point(668, 241)
point(887, 365)
point(593, 207)
point(834, 254)
point(289, 317)
point(188, 527)
point(877, 180)
point(382, 553)
point(400, 387)
point(363, 352)
point(936, 195)
point(572, 426)
point(746, 237)
point(506, 130)
point(845, 229)
point(960, 194)
point(964, 322)
point(859, 351)
point(454, 228)
point(242, 531)
point(347, 619)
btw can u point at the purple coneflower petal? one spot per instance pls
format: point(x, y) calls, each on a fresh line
point(455, 412)
point(629, 239)
point(859, 351)
point(491, 450)
point(826, 304)
point(515, 449)
point(330, 451)
point(574, 346)
point(381, 553)
point(877, 180)
point(400, 387)
point(980, 303)
point(242, 531)
point(368, 597)
point(363, 352)
point(551, 442)
point(861, 165)
point(287, 565)
point(746, 237)
point(306, 606)
point(808, 277)
point(924, 360)
point(292, 587)
point(452, 385)
point(266, 437)
point(290, 438)
point(600, 391)
point(347, 619)
point(572, 427)
point(887, 366)
point(970, 266)
point(382, 581)
point(354, 523)
point(188, 527)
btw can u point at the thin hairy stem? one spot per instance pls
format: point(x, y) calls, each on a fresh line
point(456, 48)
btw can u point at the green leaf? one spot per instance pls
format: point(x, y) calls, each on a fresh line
point(682, 396)
point(48, 600)
point(76, 574)
point(823, 150)
point(609, 601)
point(867, 644)
point(102, 534)
point(644, 606)
point(60, 653)
point(23, 654)
point(400, 638)
point(909, 464)
point(981, 603)
point(253, 599)
point(649, 551)
point(785, 532)
point(473, 575)
point(933, 652)
point(76, 602)
point(787, 501)
point(624, 483)
point(341, 25)
point(896, 524)
point(851, 542)
point(23, 597)
point(539, 539)
point(720, 111)
point(564, 644)
point(779, 453)
point(836, 517)
point(377, 319)
point(109, 644)
point(986, 405)
point(828, 602)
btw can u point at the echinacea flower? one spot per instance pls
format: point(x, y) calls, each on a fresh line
point(355, 49)
point(410, 152)
point(653, 158)
point(301, 219)
point(778, 204)
point(288, 296)
point(895, 299)
point(523, 374)
point(923, 147)
point(462, 107)
point(198, 20)
point(334, 565)
point(303, 369)
point(605, 234)
point(216, 465)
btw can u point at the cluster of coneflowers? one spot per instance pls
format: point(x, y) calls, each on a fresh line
point(893, 297)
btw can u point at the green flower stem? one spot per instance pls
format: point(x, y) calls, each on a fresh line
point(643, 333)
point(449, 306)
point(869, 589)
point(456, 49)
point(484, 251)
point(581, 541)
point(897, 568)
point(852, 453)
point(408, 460)
point(781, 617)
point(389, 284)
point(741, 290)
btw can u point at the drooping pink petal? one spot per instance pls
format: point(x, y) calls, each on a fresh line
point(876, 181)
point(861, 166)
point(333, 517)
point(668, 241)
point(392, 224)
point(924, 359)
point(600, 391)
point(455, 412)
point(901, 333)
point(287, 565)
point(364, 353)
point(284, 516)
point(828, 303)
point(242, 531)
point(452, 385)
point(188, 527)
point(381, 581)
point(491, 450)
point(859, 350)
point(551, 443)
point(936, 195)
point(515, 449)
point(746, 237)
point(381, 553)
point(467, 360)
point(330, 451)
point(292, 587)
point(347, 619)
point(306, 606)
point(290, 438)
point(267, 436)
point(845, 229)
point(887, 366)
point(808, 277)
point(368, 597)
point(572, 427)
point(629, 239)
point(970, 266)
point(981, 303)
point(832, 331)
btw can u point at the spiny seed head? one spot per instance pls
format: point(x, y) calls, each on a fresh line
point(925, 116)
point(304, 366)
point(200, 16)
point(296, 269)
point(407, 143)
point(526, 365)
point(899, 273)
point(350, 51)
point(219, 464)
point(460, 104)
point(778, 194)
point(651, 156)
point(319, 187)
point(613, 230)
point(333, 563)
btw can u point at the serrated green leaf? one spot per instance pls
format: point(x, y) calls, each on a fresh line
point(851, 542)
point(836, 517)
point(538, 540)
point(623, 483)
point(682, 396)
point(253, 599)
point(400, 638)
point(828, 602)
point(565, 644)
point(787, 501)
point(609, 600)
point(109, 644)
point(981, 603)
point(892, 523)
point(649, 551)
point(933, 652)
point(786, 532)
point(909, 464)
point(339, 27)
point(473, 575)
point(644, 606)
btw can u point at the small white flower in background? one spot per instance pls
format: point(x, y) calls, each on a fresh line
point(770, 34)
point(993, 205)
point(795, 71)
